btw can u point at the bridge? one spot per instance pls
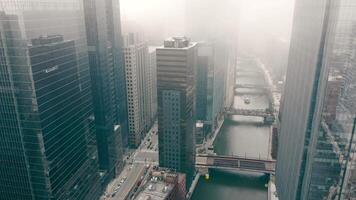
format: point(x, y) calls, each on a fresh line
point(248, 112)
point(245, 70)
point(249, 73)
point(267, 114)
point(250, 86)
point(204, 162)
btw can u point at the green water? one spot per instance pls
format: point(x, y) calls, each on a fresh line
point(224, 185)
point(242, 136)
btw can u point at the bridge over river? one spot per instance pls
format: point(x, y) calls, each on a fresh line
point(212, 161)
point(242, 145)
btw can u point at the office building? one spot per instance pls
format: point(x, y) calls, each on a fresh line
point(163, 185)
point(153, 79)
point(315, 160)
point(47, 148)
point(139, 88)
point(176, 65)
point(102, 20)
point(212, 86)
point(205, 63)
point(223, 42)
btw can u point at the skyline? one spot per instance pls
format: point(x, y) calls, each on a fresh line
point(177, 100)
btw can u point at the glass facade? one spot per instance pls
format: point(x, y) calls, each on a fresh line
point(48, 148)
point(316, 139)
point(102, 19)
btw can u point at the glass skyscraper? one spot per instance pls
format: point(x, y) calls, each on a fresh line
point(48, 147)
point(315, 157)
point(103, 30)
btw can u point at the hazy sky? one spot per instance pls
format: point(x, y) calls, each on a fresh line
point(256, 16)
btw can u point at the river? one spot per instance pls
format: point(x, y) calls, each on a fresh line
point(243, 136)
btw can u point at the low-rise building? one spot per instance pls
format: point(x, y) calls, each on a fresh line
point(164, 185)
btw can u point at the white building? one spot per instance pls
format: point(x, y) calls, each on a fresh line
point(139, 88)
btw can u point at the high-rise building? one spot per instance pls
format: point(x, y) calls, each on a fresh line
point(205, 63)
point(223, 42)
point(139, 88)
point(47, 148)
point(102, 20)
point(315, 153)
point(212, 86)
point(176, 65)
point(153, 78)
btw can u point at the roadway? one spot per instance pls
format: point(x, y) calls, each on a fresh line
point(135, 168)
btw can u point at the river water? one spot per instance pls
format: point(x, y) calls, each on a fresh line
point(243, 136)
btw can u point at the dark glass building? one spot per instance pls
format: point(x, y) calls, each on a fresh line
point(176, 65)
point(47, 135)
point(103, 28)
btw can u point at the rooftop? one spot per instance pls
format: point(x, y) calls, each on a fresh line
point(156, 189)
point(177, 43)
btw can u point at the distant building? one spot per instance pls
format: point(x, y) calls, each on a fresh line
point(332, 98)
point(139, 86)
point(164, 186)
point(212, 86)
point(199, 132)
point(205, 64)
point(48, 142)
point(153, 78)
point(176, 64)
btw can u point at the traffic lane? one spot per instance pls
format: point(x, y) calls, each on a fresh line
point(133, 175)
point(146, 156)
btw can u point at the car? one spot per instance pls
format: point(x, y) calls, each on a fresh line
point(113, 194)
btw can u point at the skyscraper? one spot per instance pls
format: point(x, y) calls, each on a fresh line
point(204, 64)
point(315, 151)
point(176, 63)
point(212, 88)
point(102, 20)
point(153, 79)
point(221, 35)
point(139, 88)
point(48, 148)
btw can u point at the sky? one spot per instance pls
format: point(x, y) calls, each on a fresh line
point(257, 17)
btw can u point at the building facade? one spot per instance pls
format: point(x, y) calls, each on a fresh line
point(102, 20)
point(315, 158)
point(153, 79)
point(176, 63)
point(163, 185)
point(139, 88)
point(48, 146)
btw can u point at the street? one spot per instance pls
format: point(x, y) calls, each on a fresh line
point(135, 168)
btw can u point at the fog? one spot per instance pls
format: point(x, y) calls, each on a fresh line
point(261, 27)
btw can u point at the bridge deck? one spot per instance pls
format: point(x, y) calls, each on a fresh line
point(248, 112)
point(235, 162)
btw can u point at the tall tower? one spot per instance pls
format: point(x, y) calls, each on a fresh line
point(153, 79)
point(102, 20)
point(139, 88)
point(315, 156)
point(176, 65)
point(48, 148)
